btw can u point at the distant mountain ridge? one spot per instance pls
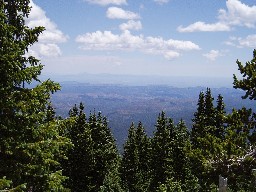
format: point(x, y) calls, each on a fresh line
point(123, 104)
point(135, 80)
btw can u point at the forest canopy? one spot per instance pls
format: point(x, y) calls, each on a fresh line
point(40, 151)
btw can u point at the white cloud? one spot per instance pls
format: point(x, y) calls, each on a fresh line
point(213, 55)
point(118, 13)
point(126, 41)
point(107, 2)
point(131, 25)
point(236, 14)
point(171, 55)
point(48, 40)
point(201, 26)
point(161, 1)
point(249, 41)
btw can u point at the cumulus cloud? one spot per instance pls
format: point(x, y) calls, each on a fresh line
point(126, 41)
point(118, 13)
point(48, 40)
point(131, 25)
point(161, 1)
point(201, 26)
point(236, 14)
point(107, 2)
point(249, 41)
point(213, 55)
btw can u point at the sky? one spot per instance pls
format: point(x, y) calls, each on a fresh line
point(195, 38)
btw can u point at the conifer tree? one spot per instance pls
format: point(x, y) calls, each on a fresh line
point(130, 162)
point(107, 159)
point(93, 163)
point(248, 83)
point(135, 166)
point(161, 163)
point(144, 151)
point(209, 111)
point(220, 118)
point(79, 166)
point(198, 127)
point(30, 142)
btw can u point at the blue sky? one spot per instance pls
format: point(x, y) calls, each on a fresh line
point(195, 38)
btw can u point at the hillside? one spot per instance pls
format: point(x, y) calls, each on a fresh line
point(125, 104)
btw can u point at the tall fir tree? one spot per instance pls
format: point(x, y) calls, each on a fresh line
point(106, 154)
point(30, 142)
point(130, 162)
point(220, 118)
point(135, 166)
point(79, 166)
point(93, 163)
point(161, 162)
point(198, 127)
point(144, 150)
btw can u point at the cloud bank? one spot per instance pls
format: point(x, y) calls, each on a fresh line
point(236, 14)
point(48, 41)
point(106, 40)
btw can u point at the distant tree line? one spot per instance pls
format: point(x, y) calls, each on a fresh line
point(40, 151)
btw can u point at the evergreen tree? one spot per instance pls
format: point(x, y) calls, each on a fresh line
point(209, 110)
point(130, 162)
point(105, 151)
point(182, 172)
point(30, 142)
point(248, 83)
point(198, 127)
point(161, 162)
point(144, 151)
point(135, 166)
point(93, 163)
point(220, 118)
point(79, 166)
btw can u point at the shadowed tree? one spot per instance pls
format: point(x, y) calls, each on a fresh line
point(30, 142)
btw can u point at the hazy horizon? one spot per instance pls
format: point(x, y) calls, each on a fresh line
point(143, 80)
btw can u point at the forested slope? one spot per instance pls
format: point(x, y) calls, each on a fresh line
point(40, 151)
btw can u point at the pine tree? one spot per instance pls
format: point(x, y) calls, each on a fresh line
point(93, 163)
point(144, 151)
point(79, 166)
point(161, 162)
point(135, 166)
point(220, 118)
point(209, 111)
point(130, 162)
point(30, 142)
point(248, 83)
point(107, 160)
point(198, 127)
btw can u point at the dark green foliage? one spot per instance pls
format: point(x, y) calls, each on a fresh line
point(248, 83)
point(170, 159)
point(79, 166)
point(135, 165)
point(93, 160)
point(198, 121)
point(209, 110)
point(161, 163)
point(31, 145)
point(220, 118)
